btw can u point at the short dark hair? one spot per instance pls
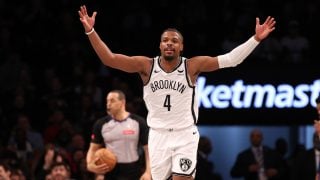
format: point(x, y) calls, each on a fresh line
point(64, 164)
point(173, 30)
point(121, 94)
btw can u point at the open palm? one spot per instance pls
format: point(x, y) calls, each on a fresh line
point(86, 20)
point(263, 30)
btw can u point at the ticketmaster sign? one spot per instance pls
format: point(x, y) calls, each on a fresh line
point(242, 95)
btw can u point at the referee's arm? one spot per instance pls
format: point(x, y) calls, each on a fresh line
point(91, 160)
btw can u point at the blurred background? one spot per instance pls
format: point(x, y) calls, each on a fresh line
point(53, 86)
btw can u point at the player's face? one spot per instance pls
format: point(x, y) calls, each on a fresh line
point(114, 104)
point(318, 108)
point(171, 45)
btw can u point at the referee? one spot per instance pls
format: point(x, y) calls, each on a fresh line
point(122, 133)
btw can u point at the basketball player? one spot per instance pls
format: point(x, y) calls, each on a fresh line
point(122, 133)
point(170, 93)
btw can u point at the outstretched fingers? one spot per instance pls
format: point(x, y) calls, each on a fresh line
point(267, 20)
point(84, 10)
point(270, 22)
point(94, 14)
point(80, 14)
point(83, 13)
point(257, 21)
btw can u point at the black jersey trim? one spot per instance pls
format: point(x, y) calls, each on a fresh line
point(159, 60)
point(187, 77)
point(192, 106)
point(151, 70)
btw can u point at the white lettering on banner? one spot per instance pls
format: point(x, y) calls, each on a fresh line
point(240, 95)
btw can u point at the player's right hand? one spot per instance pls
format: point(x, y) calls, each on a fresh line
point(86, 20)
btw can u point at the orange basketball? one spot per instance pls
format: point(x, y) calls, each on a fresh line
point(106, 156)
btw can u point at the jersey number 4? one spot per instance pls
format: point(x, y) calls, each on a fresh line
point(167, 102)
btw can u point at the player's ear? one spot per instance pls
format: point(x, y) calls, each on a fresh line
point(181, 47)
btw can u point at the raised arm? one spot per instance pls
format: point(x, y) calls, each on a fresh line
point(200, 64)
point(122, 62)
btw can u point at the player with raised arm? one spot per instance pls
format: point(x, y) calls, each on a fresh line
point(170, 93)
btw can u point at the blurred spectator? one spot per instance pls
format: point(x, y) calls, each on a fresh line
point(58, 129)
point(89, 86)
point(17, 174)
point(292, 159)
point(65, 134)
point(307, 164)
point(10, 158)
point(281, 147)
point(4, 171)
point(17, 106)
point(85, 113)
point(270, 51)
point(55, 96)
point(20, 145)
point(77, 165)
point(77, 142)
point(258, 161)
point(76, 150)
point(34, 137)
point(52, 154)
point(59, 171)
point(205, 168)
point(295, 45)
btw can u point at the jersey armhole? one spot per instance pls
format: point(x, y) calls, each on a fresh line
point(151, 70)
point(191, 85)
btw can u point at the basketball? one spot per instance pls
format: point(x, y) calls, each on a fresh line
point(106, 156)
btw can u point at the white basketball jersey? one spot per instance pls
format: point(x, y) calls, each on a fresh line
point(170, 98)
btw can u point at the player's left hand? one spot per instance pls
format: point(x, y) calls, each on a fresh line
point(263, 30)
